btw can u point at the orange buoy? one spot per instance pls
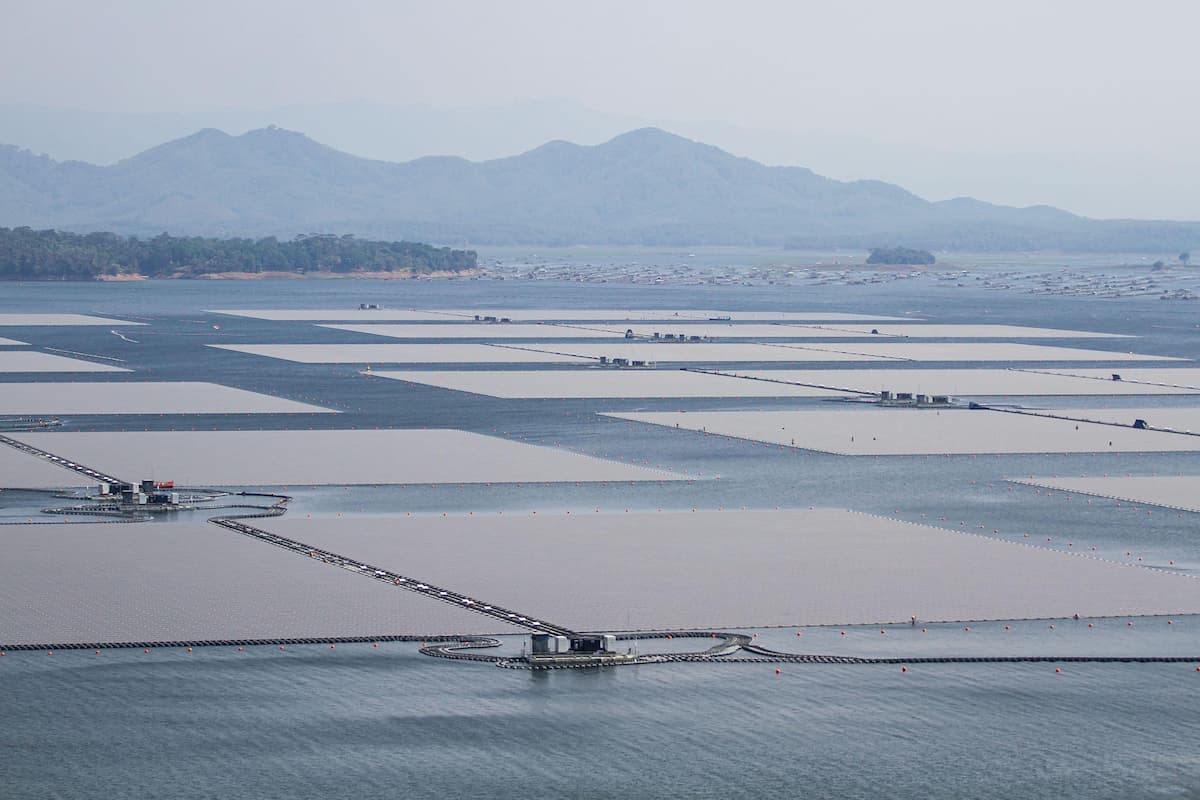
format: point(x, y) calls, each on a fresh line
point(280, 647)
point(333, 647)
point(778, 671)
point(189, 649)
point(97, 652)
point(147, 650)
point(1091, 625)
point(843, 633)
point(239, 649)
point(1058, 670)
point(904, 669)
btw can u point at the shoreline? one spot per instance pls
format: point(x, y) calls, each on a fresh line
point(275, 275)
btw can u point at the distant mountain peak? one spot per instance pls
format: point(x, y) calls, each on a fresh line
point(205, 135)
point(211, 148)
point(274, 132)
point(649, 135)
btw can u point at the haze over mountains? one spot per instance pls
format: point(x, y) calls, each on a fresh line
point(1104, 177)
point(645, 187)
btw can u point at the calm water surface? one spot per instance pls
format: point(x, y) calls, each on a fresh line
point(387, 722)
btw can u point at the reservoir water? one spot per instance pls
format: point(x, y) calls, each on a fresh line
point(385, 721)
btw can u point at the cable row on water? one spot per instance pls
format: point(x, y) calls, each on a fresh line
point(177, 643)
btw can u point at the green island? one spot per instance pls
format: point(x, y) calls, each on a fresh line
point(900, 255)
point(27, 254)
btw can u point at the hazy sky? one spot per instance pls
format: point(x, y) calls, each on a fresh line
point(1090, 105)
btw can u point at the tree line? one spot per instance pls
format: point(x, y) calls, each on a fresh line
point(900, 255)
point(27, 254)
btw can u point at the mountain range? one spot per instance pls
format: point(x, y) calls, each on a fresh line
point(645, 187)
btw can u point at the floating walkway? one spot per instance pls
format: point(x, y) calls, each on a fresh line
point(732, 643)
point(507, 615)
point(460, 648)
point(58, 461)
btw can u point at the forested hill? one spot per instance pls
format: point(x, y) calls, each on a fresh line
point(645, 187)
point(26, 254)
